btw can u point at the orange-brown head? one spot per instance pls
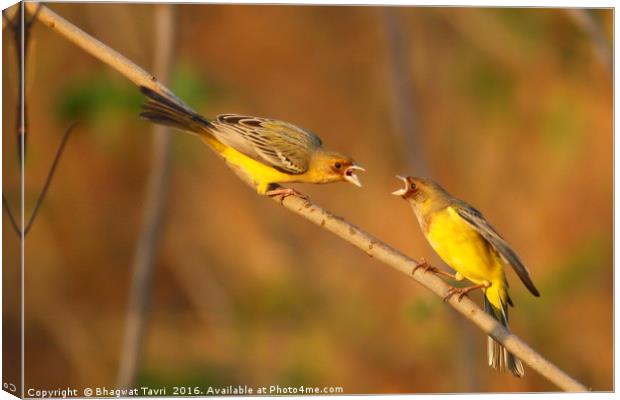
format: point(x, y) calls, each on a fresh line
point(424, 196)
point(422, 193)
point(334, 167)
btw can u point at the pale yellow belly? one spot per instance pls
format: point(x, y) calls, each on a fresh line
point(463, 249)
point(253, 172)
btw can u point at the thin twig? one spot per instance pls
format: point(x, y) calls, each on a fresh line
point(21, 116)
point(44, 190)
point(7, 208)
point(18, 36)
point(350, 233)
point(50, 175)
point(20, 33)
point(146, 248)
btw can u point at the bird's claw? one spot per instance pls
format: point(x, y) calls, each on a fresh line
point(284, 193)
point(425, 266)
point(462, 292)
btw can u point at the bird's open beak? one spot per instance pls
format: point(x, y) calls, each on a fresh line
point(349, 175)
point(403, 191)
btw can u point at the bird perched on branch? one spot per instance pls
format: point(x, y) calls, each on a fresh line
point(262, 151)
point(465, 241)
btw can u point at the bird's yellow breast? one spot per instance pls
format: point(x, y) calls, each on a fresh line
point(257, 173)
point(462, 248)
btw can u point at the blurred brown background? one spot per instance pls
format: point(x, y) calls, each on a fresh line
point(510, 109)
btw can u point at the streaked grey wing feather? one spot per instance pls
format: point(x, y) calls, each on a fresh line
point(279, 144)
point(477, 221)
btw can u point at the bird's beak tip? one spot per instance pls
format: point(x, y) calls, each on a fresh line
point(349, 175)
point(403, 191)
point(352, 178)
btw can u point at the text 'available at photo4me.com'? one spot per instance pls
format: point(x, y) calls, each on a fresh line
point(237, 390)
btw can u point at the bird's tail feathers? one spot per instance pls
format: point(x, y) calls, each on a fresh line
point(164, 111)
point(499, 357)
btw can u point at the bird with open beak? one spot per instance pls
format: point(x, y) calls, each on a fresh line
point(262, 151)
point(464, 240)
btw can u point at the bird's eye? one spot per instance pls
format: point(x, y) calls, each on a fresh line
point(337, 165)
point(413, 186)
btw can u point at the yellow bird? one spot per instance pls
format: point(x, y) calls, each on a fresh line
point(262, 151)
point(465, 241)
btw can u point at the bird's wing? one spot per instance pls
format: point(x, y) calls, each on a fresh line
point(477, 221)
point(281, 145)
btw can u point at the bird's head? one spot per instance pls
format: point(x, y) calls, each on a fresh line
point(419, 191)
point(334, 167)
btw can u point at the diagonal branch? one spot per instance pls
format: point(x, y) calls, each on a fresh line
point(96, 48)
point(330, 222)
point(381, 251)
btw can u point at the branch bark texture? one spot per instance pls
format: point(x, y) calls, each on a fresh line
point(369, 244)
